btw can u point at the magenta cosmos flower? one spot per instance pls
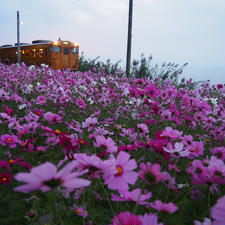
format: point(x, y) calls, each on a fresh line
point(122, 173)
point(45, 177)
point(218, 212)
point(126, 218)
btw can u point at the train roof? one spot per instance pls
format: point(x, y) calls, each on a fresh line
point(35, 42)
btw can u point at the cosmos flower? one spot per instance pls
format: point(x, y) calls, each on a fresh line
point(178, 150)
point(149, 219)
point(41, 100)
point(106, 144)
point(164, 207)
point(126, 218)
point(5, 178)
point(10, 140)
point(150, 173)
point(45, 177)
point(122, 173)
point(218, 212)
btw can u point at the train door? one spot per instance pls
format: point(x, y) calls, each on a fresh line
point(66, 60)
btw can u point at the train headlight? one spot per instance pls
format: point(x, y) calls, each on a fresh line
point(55, 42)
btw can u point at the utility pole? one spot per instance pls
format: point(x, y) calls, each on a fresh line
point(129, 36)
point(18, 37)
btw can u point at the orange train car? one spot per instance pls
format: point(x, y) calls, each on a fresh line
point(57, 54)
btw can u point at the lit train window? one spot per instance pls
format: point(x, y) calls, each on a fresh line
point(41, 52)
point(74, 50)
point(34, 51)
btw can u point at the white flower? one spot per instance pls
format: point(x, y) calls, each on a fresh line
point(178, 150)
point(32, 67)
point(21, 106)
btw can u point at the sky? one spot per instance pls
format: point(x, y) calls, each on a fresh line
point(178, 31)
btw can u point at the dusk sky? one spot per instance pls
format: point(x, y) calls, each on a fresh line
point(176, 31)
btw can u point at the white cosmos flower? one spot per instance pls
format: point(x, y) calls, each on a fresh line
point(177, 150)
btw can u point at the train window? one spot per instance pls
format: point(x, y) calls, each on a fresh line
point(46, 51)
point(66, 51)
point(55, 49)
point(41, 52)
point(34, 52)
point(74, 50)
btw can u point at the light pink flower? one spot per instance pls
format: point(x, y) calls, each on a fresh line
point(122, 173)
point(107, 144)
point(135, 196)
point(52, 117)
point(45, 177)
point(169, 132)
point(149, 219)
point(164, 207)
point(218, 212)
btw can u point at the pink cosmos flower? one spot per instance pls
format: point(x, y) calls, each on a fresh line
point(173, 134)
point(107, 144)
point(126, 218)
point(196, 149)
point(150, 173)
point(219, 152)
point(80, 103)
point(11, 140)
point(218, 212)
point(90, 123)
point(149, 219)
point(52, 117)
point(143, 128)
point(41, 100)
point(134, 196)
point(92, 163)
point(80, 211)
point(45, 177)
point(122, 173)
point(164, 207)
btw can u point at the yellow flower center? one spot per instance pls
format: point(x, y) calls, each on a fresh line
point(4, 179)
point(57, 131)
point(9, 140)
point(78, 211)
point(81, 141)
point(11, 161)
point(119, 170)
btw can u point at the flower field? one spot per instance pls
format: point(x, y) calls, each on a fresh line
point(90, 148)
